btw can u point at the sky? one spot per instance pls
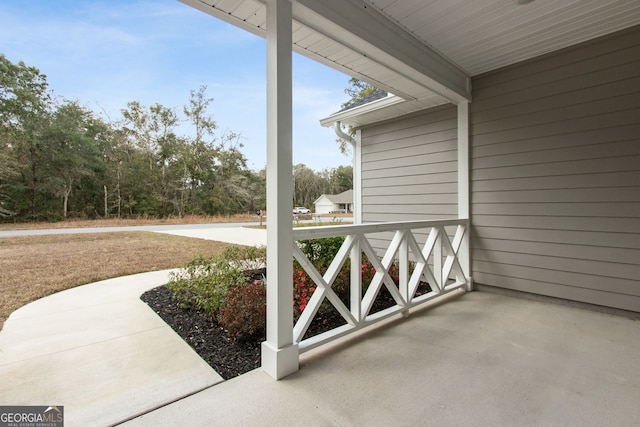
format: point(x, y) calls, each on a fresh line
point(108, 53)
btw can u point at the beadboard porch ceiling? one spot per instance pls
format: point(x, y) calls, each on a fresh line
point(426, 51)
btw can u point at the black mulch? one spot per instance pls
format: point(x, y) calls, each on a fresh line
point(227, 356)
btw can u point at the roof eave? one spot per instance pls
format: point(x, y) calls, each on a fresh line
point(396, 61)
point(346, 115)
point(384, 109)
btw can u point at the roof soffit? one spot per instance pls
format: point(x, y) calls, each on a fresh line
point(406, 46)
point(357, 39)
point(363, 29)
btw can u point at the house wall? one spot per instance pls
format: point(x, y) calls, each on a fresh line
point(409, 168)
point(323, 205)
point(555, 173)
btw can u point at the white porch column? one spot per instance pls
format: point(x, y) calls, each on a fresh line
point(464, 255)
point(279, 354)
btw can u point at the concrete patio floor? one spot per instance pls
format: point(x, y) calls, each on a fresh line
point(481, 359)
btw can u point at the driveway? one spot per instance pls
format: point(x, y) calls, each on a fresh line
point(158, 228)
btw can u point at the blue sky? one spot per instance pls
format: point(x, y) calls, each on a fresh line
point(107, 53)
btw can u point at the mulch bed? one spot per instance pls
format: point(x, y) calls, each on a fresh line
point(227, 356)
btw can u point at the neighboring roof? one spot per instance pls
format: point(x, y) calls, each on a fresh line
point(378, 94)
point(342, 198)
point(369, 109)
point(379, 109)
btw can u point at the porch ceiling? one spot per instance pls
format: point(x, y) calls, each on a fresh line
point(425, 51)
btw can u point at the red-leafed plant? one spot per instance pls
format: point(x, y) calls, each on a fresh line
point(303, 288)
point(244, 311)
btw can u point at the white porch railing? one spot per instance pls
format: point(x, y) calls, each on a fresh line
point(423, 252)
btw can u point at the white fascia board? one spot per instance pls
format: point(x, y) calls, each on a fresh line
point(381, 110)
point(362, 28)
point(378, 104)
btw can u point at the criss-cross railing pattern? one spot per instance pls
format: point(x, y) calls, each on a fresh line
point(436, 262)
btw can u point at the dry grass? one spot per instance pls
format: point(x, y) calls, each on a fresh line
point(36, 266)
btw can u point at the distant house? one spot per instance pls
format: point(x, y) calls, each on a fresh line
point(329, 203)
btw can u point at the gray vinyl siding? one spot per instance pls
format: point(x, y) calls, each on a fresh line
point(555, 174)
point(409, 171)
point(409, 168)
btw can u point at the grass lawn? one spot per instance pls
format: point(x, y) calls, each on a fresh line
point(36, 266)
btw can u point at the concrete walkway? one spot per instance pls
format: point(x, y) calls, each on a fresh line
point(237, 235)
point(101, 352)
point(206, 229)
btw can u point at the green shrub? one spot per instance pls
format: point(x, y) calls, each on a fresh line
point(246, 258)
point(244, 312)
point(321, 253)
point(204, 282)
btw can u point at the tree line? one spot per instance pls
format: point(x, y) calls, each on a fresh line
point(59, 159)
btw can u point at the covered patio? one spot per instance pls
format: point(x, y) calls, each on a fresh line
point(480, 359)
point(491, 159)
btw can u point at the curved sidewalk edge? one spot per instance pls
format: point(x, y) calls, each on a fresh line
point(100, 352)
point(236, 235)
